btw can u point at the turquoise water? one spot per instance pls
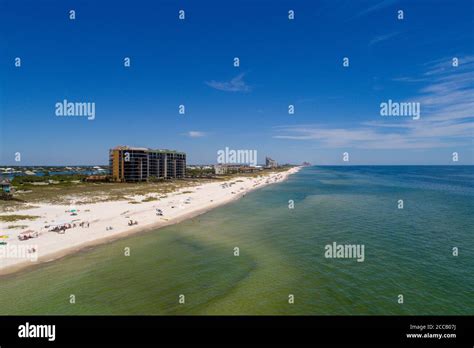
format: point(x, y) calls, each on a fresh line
point(282, 251)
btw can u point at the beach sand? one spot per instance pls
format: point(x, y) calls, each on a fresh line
point(176, 207)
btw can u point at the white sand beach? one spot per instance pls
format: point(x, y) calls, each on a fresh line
point(106, 221)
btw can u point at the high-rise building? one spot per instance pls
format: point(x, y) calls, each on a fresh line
point(270, 163)
point(132, 164)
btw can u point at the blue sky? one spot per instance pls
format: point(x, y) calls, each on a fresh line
point(282, 62)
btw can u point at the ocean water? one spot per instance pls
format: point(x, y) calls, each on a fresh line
point(408, 251)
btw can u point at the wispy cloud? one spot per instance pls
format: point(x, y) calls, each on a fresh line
point(378, 6)
point(447, 104)
point(408, 79)
point(375, 136)
point(381, 38)
point(237, 84)
point(450, 96)
point(196, 134)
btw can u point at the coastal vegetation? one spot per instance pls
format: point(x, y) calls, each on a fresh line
point(19, 227)
point(149, 199)
point(200, 172)
point(15, 217)
point(74, 189)
point(91, 192)
point(69, 179)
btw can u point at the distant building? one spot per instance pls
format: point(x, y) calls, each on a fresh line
point(221, 169)
point(133, 164)
point(270, 163)
point(96, 178)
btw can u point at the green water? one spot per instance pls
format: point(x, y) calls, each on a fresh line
point(407, 252)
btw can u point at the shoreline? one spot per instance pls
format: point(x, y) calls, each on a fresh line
point(53, 250)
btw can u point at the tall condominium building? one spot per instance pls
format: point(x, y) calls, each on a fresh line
point(131, 164)
point(270, 163)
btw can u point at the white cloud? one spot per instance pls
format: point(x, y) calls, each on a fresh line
point(447, 116)
point(196, 134)
point(237, 84)
point(365, 137)
point(378, 6)
point(381, 38)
